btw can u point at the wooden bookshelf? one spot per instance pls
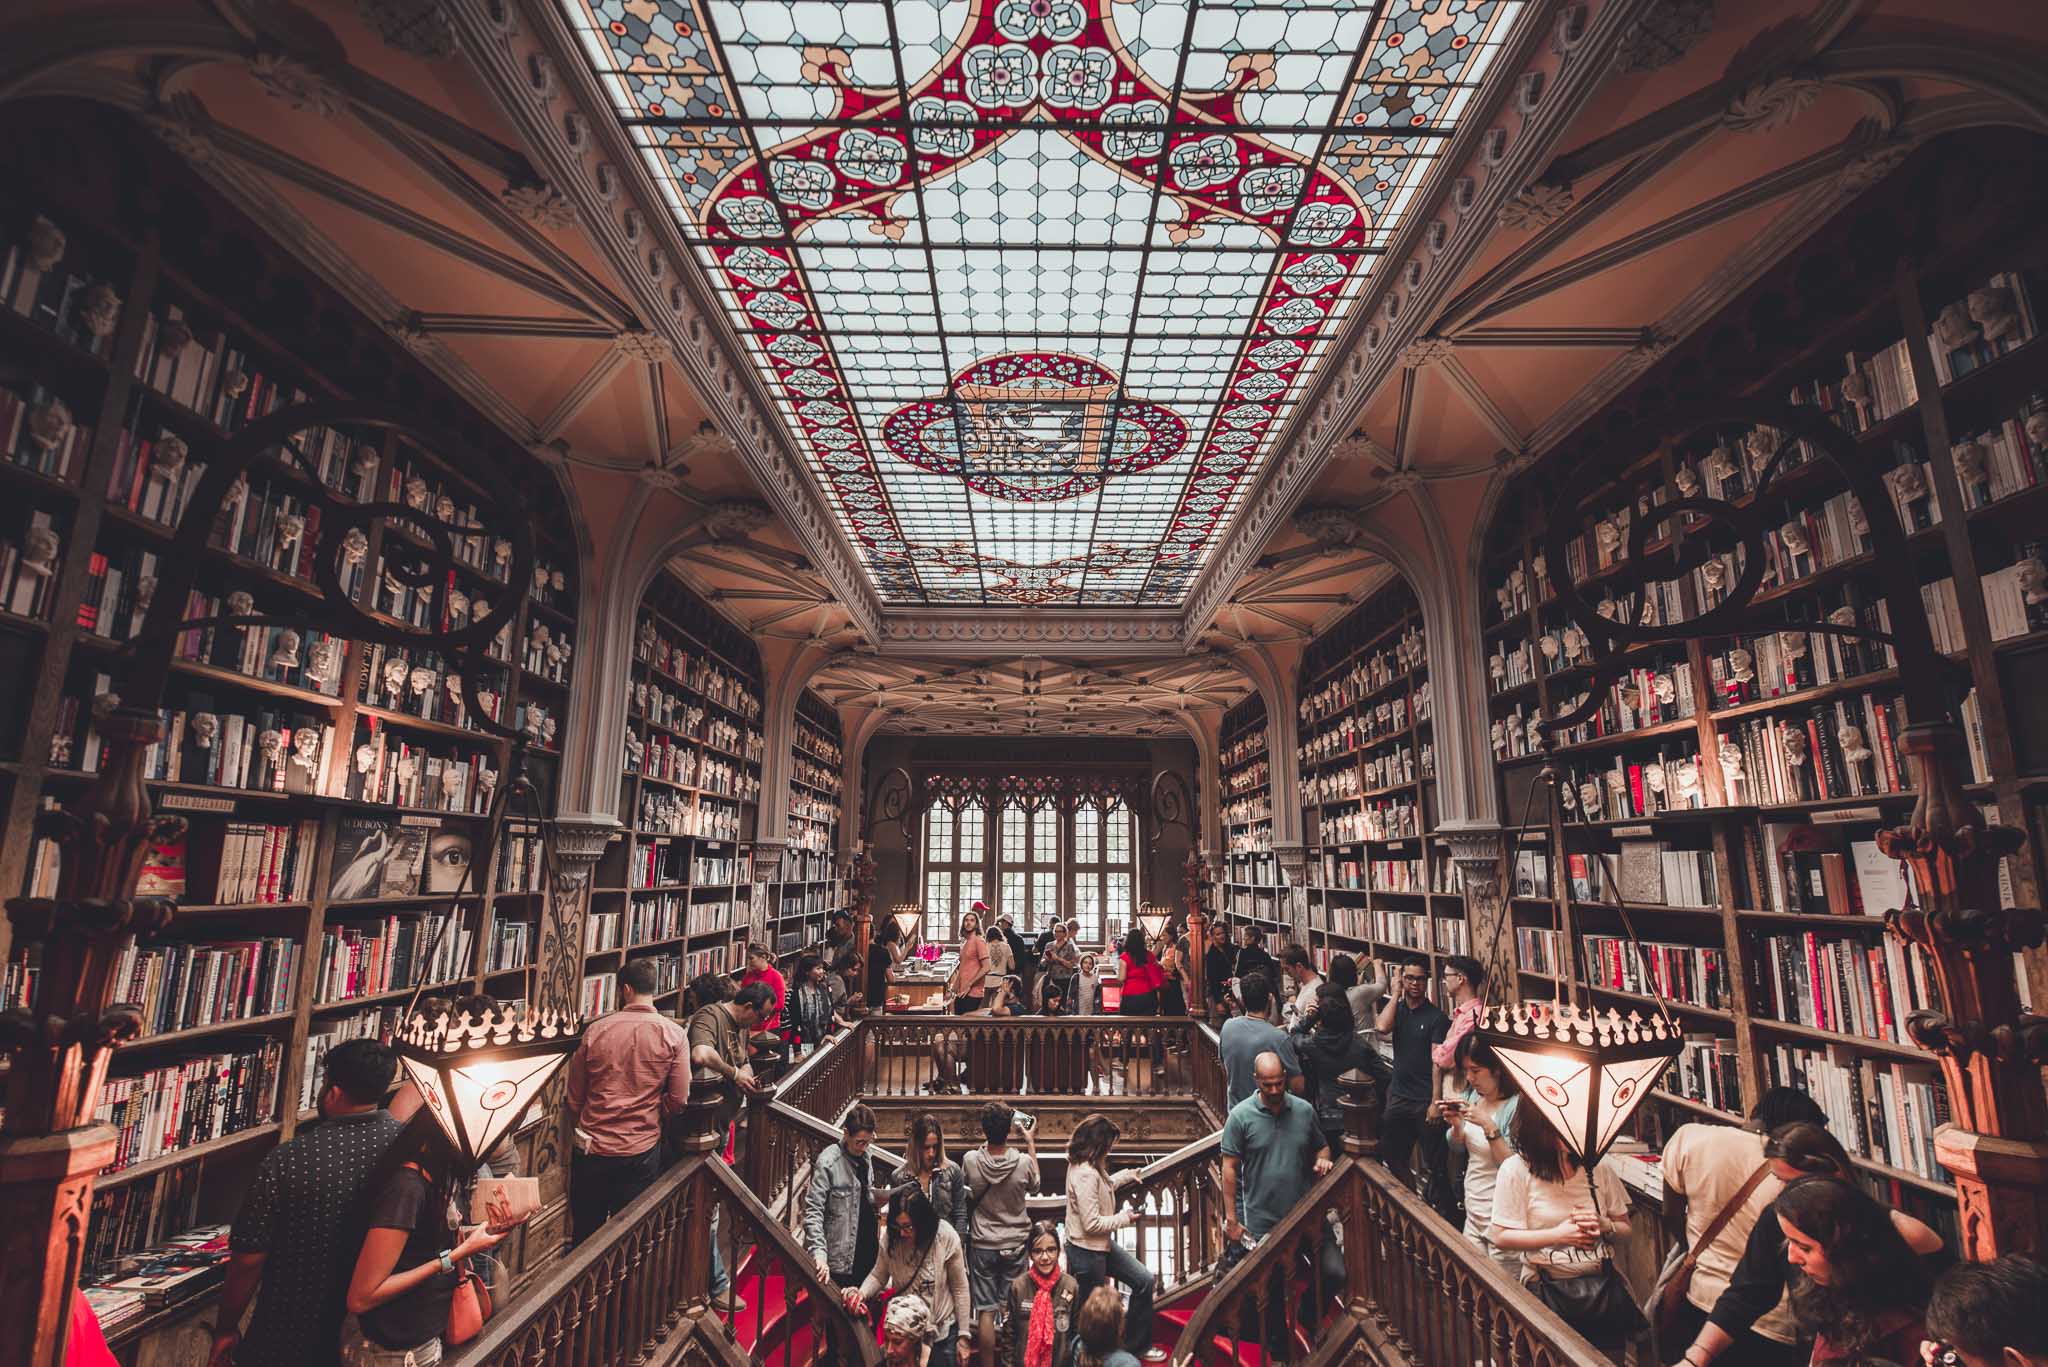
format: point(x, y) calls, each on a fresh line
point(809, 890)
point(1774, 845)
point(1251, 891)
point(690, 800)
point(1379, 883)
point(148, 409)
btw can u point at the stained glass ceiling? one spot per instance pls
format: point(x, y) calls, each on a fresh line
point(1037, 283)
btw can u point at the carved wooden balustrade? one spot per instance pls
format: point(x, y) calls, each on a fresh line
point(1031, 1056)
point(639, 1291)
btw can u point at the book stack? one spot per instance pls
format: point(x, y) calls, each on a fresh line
point(170, 1273)
point(1842, 747)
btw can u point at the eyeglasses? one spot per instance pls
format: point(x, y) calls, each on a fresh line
point(1413, 978)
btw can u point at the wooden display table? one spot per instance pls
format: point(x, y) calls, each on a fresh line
point(919, 993)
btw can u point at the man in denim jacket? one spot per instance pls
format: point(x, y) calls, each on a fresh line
point(841, 1227)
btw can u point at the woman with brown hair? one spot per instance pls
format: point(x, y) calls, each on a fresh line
point(1093, 1254)
point(1565, 1221)
point(937, 1176)
point(1857, 1284)
point(1100, 1331)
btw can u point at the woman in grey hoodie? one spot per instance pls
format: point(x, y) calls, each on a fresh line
point(1000, 1180)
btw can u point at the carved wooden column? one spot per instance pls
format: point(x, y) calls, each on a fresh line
point(558, 984)
point(700, 1132)
point(1489, 906)
point(1991, 1051)
point(61, 1044)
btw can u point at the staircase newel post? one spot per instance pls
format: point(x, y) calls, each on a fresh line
point(700, 1131)
point(1358, 1093)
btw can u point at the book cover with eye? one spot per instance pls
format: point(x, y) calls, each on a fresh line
point(448, 853)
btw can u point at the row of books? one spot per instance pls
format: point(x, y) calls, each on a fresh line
point(420, 683)
point(234, 863)
point(1883, 1111)
point(1848, 985)
point(382, 856)
point(1518, 587)
point(180, 986)
point(1839, 748)
point(809, 771)
point(1540, 949)
point(816, 743)
point(1633, 787)
point(1384, 769)
point(518, 861)
point(1811, 872)
point(1243, 811)
point(1650, 694)
point(692, 721)
point(1386, 718)
point(1396, 875)
point(311, 659)
point(600, 994)
point(511, 946)
point(810, 898)
point(1384, 819)
point(132, 1217)
point(155, 472)
point(1686, 973)
point(1252, 743)
point(270, 751)
point(603, 930)
point(665, 813)
point(1638, 873)
point(394, 770)
point(426, 489)
point(1784, 663)
point(674, 760)
point(683, 663)
point(1998, 462)
point(1705, 1071)
point(2016, 596)
point(201, 1097)
point(38, 431)
point(392, 953)
point(1253, 776)
point(1366, 675)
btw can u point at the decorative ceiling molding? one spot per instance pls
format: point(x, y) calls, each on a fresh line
point(1075, 633)
point(524, 55)
point(1397, 305)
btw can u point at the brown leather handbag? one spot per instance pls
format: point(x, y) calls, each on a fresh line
point(1667, 1302)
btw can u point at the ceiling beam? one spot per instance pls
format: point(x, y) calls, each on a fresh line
point(444, 173)
point(1401, 421)
point(264, 157)
point(1606, 338)
point(509, 325)
point(1741, 199)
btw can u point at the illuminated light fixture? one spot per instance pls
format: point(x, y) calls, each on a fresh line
point(1585, 1071)
point(479, 1076)
point(906, 915)
point(1155, 919)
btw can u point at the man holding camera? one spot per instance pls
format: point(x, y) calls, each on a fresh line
point(999, 1180)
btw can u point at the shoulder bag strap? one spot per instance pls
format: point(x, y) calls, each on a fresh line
point(1727, 1213)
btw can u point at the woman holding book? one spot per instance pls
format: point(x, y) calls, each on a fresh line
point(407, 1270)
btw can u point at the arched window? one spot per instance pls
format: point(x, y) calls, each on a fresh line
point(1104, 876)
point(955, 844)
point(1029, 874)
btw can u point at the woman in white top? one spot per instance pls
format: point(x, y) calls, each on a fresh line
point(1093, 1254)
point(1479, 1105)
point(1545, 1207)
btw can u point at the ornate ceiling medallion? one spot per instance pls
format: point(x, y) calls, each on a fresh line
point(1036, 284)
point(1034, 428)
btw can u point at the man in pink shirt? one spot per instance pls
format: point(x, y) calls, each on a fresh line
point(632, 1069)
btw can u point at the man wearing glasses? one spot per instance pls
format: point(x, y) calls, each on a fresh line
point(1416, 1027)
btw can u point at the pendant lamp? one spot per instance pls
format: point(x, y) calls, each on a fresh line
point(1155, 919)
point(906, 915)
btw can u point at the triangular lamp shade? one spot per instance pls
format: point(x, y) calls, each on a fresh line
point(907, 917)
point(478, 1077)
point(1584, 1072)
point(1154, 920)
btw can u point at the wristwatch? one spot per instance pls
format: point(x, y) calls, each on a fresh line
point(447, 1260)
point(1492, 1136)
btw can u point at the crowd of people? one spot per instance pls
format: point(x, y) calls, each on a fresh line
point(352, 1240)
